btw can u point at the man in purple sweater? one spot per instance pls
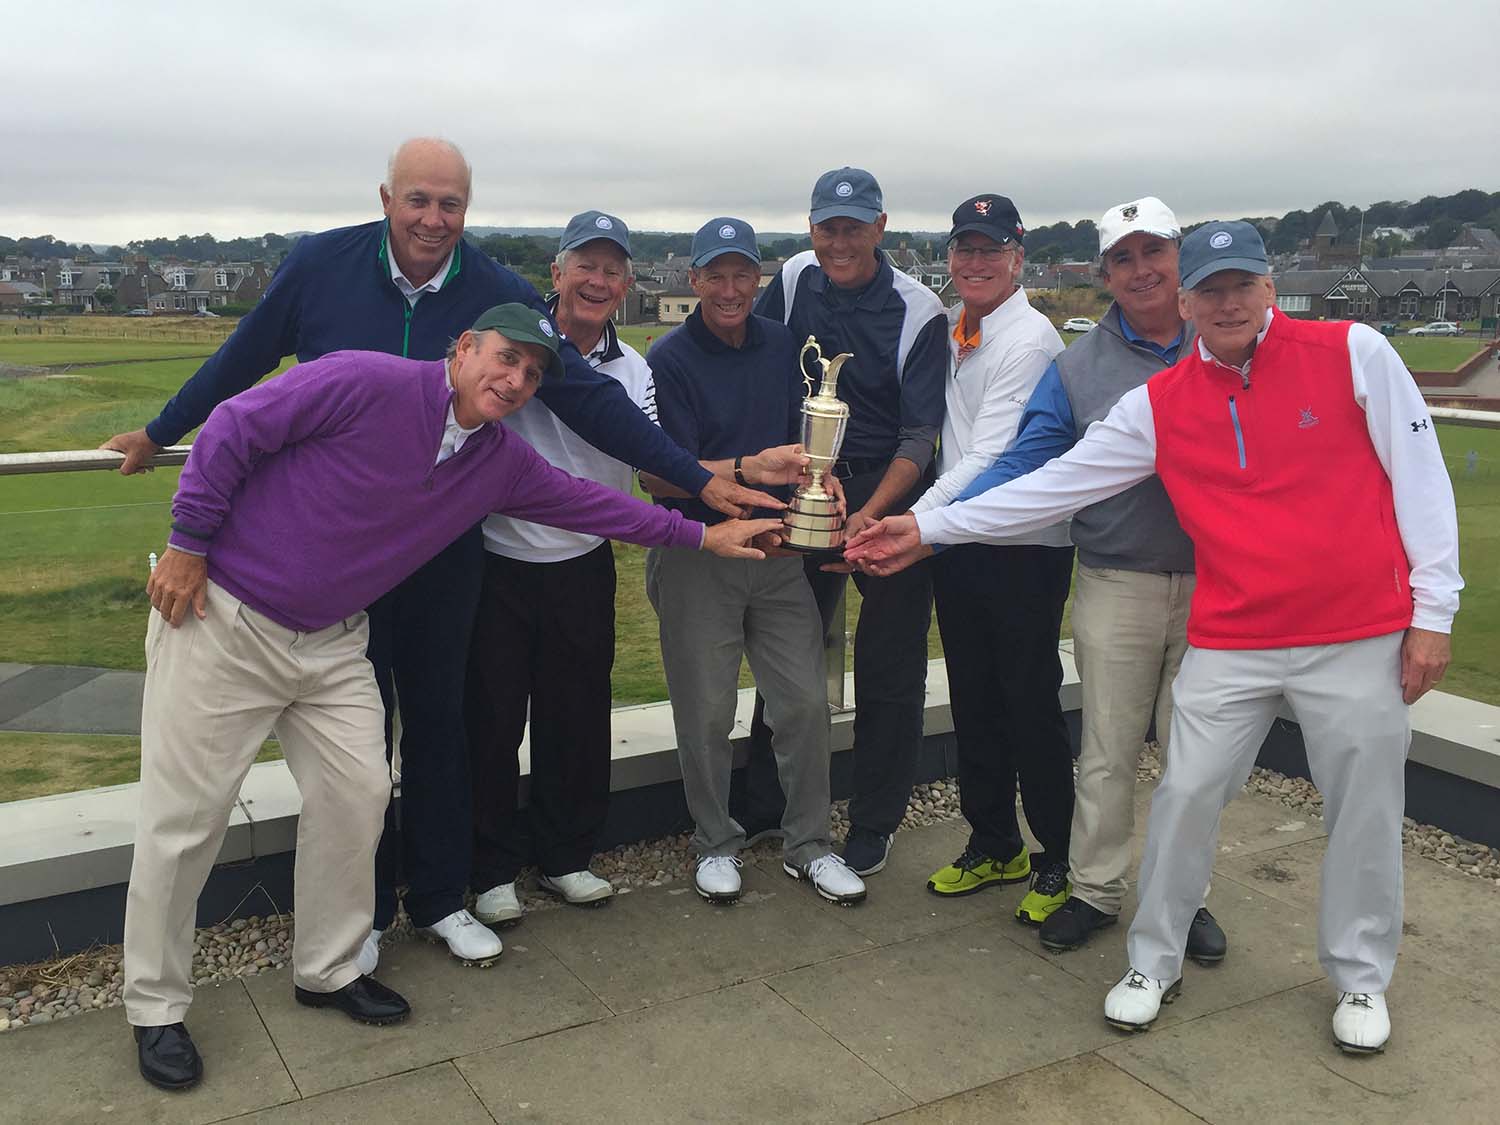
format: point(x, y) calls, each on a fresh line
point(304, 500)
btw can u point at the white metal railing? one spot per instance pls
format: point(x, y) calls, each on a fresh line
point(80, 460)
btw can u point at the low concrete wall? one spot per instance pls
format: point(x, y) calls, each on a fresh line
point(65, 860)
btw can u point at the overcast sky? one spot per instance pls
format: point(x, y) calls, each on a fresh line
point(130, 120)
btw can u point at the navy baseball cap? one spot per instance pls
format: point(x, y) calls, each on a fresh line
point(991, 215)
point(851, 192)
point(724, 235)
point(589, 225)
point(1215, 247)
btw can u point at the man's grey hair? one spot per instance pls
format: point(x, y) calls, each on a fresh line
point(561, 261)
point(435, 142)
point(479, 333)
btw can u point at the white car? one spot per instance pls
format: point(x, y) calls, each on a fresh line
point(1079, 324)
point(1437, 328)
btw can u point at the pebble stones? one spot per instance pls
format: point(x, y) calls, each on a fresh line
point(37, 994)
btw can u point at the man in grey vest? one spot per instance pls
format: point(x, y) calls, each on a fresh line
point(1135, 566)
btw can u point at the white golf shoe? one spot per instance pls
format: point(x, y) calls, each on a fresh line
point(498, 905)
point(467, 938)
point(368, 956)
point(717, 878)
point(1361, 1023)
point(831, 877)
point(1133, 1004)
point(577, 888)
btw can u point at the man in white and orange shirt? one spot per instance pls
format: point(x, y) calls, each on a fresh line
point(1302, 462)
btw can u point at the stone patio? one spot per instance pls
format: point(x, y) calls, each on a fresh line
point(661, 1008)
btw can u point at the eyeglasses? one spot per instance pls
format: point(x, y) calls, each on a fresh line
point(983, 253)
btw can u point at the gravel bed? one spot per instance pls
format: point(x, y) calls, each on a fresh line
point(56, 990)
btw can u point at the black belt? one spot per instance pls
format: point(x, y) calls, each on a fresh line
point(844, 468)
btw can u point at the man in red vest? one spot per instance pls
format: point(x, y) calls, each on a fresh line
point(1302, 462)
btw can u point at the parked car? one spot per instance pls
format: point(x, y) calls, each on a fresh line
point(1437, 328)
point(1079, 324)
point(206, 313)
point(139, 312)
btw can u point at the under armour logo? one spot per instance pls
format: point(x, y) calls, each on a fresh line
point(1418, 426)
point(1308, 418)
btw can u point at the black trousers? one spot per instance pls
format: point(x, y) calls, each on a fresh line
point(890, 686)
point(544, 635)
point(999, 611)
point(419, 642)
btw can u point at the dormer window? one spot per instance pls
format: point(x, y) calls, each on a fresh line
point(65, 278)
point(221, 279)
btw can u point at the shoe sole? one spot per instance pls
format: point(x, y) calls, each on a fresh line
point(1065, 947)
point(466, 962)
point(1027, 920)
point(1199, 959)
point(597, 900)
point(172, 1087)
point(499, 919)
point(974, 890)
point(837, 900)
point(1173, 991)
point(718, 898)
point(384, 1021)
point(1352, 1048)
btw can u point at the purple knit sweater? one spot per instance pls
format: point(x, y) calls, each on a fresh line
point(315, 493)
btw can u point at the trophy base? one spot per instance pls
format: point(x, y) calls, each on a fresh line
point(813, 526)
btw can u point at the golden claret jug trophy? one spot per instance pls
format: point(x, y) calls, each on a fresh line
point(813, 523)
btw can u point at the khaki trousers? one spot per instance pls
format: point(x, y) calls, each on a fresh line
point(214, 690)
point(1129, 635)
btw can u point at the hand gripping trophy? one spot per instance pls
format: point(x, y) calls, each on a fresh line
point(813, 521)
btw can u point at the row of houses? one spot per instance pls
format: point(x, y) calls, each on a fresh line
point(1365, 293)
point(168, 288)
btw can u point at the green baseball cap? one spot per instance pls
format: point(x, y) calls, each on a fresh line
point(525, 325)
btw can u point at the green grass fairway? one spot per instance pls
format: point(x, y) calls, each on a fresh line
point(1435, 353)
point(56, 351)
point(39, 765)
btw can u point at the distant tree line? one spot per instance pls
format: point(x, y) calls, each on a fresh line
point(1442, 215)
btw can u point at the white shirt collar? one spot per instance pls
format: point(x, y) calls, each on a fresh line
point(413, 293)
point(454, 435)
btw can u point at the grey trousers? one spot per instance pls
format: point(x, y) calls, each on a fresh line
point(1347, 699)
point(712, 611)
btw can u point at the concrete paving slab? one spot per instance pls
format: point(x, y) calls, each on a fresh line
point(9, 670)
point(900, 906)
point(434, 1093)
point(455, 1010)
point(1452, 921)
point(652, 946)
point(37, 686)
point(103, 703)
point(950, 1011)
point(1271, 948)
point(1249, 824)
point(85, 1067)
point(736, 1055)
point(1085, 1088)
point(1274, 1059)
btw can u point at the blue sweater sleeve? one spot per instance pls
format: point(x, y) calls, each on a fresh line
point(252, 352)
point(1047, 430)
point(598, 409)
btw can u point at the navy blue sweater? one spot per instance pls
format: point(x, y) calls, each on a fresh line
point(720, 402)
point(334, 293)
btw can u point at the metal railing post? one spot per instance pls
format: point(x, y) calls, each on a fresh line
point(835, 644)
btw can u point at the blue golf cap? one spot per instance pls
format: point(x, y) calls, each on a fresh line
point(1216, 247)
point(724, 235)
point(851, 192)
point(589, 225)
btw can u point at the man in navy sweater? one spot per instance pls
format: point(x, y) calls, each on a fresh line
point(407, 285)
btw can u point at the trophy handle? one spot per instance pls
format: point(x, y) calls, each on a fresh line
point(813, 346)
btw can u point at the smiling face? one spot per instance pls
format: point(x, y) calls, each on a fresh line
point(493, 376)
point(1229, 309)
point(590, 285)
point(425, 203)
point(726, 289)
point(984, 271)
point(1140, 272)
point(846, 249)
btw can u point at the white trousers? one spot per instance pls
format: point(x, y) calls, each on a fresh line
point(1347, 699)
point(214, 689)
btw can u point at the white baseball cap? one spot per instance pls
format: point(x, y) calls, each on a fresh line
point(1147, 215)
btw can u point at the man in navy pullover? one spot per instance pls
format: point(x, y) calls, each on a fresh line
point(407, 285)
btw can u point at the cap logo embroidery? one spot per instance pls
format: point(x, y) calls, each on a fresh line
point(1130, 212)
point(982, 206)
point(1019, 229)
point(726, 231)
point(1221, 240)
point(544, 327)
point(603, 223)
point(844, 189)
